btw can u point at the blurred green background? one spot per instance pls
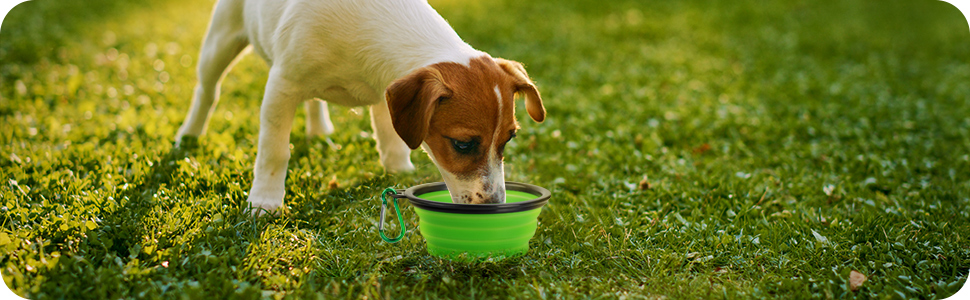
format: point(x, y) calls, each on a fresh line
point(695, 149)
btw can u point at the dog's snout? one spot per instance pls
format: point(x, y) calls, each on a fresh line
point(480, 197)
point(486, 198)
point(487, 188)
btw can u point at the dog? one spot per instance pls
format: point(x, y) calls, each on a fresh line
point(425, 87)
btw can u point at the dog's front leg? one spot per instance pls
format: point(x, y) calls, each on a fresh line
point(276, 120)
point(395, 154)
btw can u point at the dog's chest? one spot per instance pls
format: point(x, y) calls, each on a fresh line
point(349, 93)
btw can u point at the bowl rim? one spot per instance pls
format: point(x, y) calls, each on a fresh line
point(542, 197)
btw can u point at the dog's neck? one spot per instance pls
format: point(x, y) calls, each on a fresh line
point(430, 54)
point(426, 40)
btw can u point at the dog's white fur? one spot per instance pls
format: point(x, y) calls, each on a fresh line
point(344, 51)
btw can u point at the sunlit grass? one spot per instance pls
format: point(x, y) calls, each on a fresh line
point(694, 149)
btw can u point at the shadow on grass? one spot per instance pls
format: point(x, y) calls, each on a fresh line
point(125, 229)
point(126, 225)
point(209, 245)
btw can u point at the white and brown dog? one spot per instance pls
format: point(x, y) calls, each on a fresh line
point(424, 85)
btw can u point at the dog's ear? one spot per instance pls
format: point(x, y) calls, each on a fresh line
point(412, 100)
point(524, 86)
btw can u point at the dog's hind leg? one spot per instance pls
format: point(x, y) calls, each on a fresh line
point(317, 118)
point(223, 43)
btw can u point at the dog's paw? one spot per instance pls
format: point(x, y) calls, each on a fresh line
point(261, 206)
point(319, 129)
point(187, 142)
point(398, 167)
point(395, 159)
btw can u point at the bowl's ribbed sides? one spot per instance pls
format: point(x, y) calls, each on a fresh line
point(483, 235)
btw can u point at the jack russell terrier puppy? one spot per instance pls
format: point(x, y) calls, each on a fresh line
point(425, 87)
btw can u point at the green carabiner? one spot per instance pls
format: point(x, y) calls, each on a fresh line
point(380, 228)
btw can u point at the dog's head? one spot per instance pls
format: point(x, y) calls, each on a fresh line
point(463, 116)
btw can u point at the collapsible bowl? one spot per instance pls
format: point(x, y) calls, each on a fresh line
point(469, 232)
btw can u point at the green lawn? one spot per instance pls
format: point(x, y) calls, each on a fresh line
point(702, 149)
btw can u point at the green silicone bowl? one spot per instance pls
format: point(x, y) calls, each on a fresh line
point(471, 232)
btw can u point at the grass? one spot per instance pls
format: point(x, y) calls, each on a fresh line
point(781, 145)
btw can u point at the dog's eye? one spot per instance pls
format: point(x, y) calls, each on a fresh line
point(463, 147)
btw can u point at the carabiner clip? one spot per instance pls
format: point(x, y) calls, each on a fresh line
point(380, 227)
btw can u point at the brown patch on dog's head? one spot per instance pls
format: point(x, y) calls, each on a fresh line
point(464, 115)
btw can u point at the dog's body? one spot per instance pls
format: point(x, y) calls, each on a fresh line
point(425, 86)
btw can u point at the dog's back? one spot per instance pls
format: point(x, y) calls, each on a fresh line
point(370, 41)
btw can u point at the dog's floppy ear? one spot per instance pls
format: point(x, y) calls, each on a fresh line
point(412, 100)
point(524, 86)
